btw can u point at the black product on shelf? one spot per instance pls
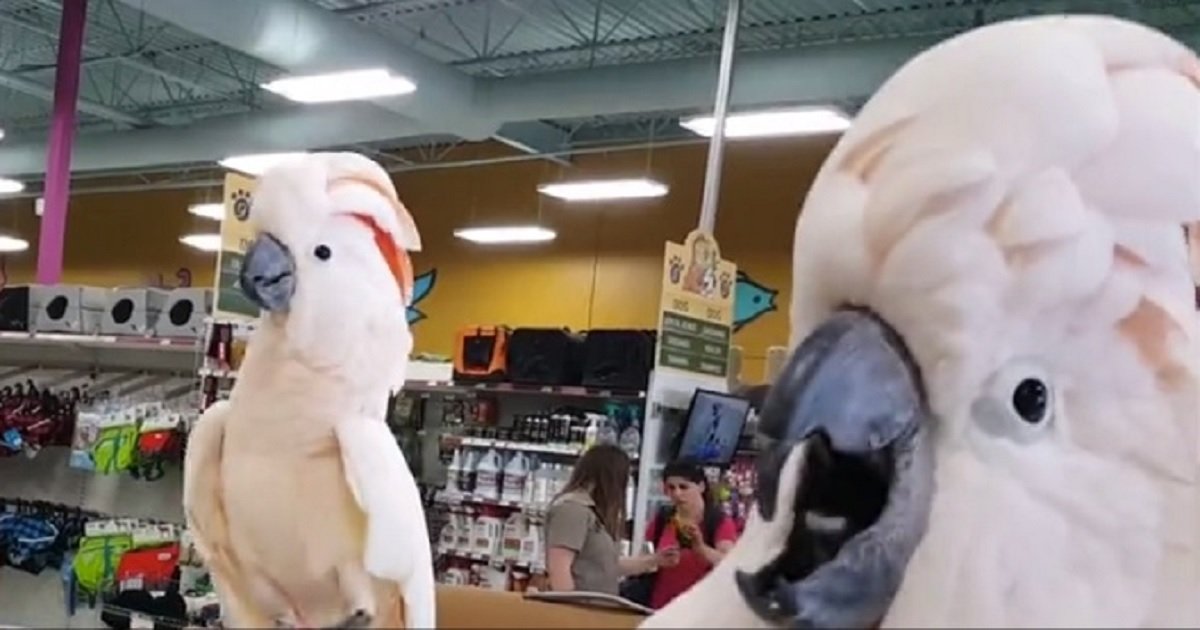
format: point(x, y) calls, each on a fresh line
point(14, 309)
point(713, 428)
point(481, 354)
point(545, 356)
point(618, 359)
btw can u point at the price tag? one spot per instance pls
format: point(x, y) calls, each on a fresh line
point(137, 620)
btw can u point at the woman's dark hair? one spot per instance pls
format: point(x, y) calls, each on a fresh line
point(693, 472)
point(603, 473)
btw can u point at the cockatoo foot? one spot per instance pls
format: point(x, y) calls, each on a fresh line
point(852, 402)
point(359, 619)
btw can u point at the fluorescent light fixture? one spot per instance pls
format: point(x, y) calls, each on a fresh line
point(214, 211)
point(506, 234)
point(1, 134)
point(9, 186)
point(604, 189)
point(258, 163)
point(202, 242)
point(351, 85)
point(10, 244)
point(773, 123)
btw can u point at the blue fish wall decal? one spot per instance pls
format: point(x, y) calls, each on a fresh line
point(422, 286)
point(751, 300)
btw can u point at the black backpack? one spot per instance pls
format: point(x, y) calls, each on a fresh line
point(638, 588)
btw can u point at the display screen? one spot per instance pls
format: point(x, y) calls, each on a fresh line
point(714, 427)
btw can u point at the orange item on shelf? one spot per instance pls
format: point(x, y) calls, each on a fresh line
point(480, 353)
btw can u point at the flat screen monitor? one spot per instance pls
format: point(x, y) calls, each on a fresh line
point(713, 428)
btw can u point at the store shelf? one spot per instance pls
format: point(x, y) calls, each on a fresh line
point(535, 567)
point(448, 388)
point(570, 391)
point(51, 350)
point(568, 450)
point(452, 499)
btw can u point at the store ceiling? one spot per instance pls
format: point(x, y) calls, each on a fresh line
point(175, 82)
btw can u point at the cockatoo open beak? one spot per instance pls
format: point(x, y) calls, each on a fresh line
point(852, 399)
point(268, 275)
point(845, 481)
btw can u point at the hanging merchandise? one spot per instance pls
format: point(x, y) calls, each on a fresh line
point(128, 434)
point(32, 418)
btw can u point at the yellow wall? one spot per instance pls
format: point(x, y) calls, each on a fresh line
point(602, 271)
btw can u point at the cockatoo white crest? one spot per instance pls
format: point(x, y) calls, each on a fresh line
point(990, 417)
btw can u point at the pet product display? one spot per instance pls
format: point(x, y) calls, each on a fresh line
point(618, 359)
point(545, 356)
point(481, 354)
point(64, 308)
point(132, 312)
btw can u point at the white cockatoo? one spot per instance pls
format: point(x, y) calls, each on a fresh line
point(991, 415)
point(298, 495)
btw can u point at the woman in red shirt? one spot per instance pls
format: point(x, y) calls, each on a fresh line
point(693, 533)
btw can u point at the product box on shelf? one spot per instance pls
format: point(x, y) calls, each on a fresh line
point(66, 308)
point(14, 308)
point(545, 356)
point(132, 312)
point(184, 313)
point(481, 354)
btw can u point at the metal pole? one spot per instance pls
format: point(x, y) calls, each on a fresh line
point(716, 148)
point(62, 134)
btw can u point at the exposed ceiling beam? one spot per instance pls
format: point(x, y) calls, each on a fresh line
point(294, 129)
point(833, 73)
point(301, 37)
point(33, 88)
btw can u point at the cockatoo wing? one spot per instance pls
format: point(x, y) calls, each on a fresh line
point(397, 539)
point(202, 504)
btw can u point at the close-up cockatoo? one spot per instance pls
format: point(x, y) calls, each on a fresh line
point(990, 416)
point(299, 497)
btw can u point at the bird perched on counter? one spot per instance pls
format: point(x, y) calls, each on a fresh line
point(299, 498)
point(990, 417)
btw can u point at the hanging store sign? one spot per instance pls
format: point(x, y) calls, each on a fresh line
point(236, 235)
point(695, 326)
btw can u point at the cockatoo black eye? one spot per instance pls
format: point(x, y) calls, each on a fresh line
point(322, 252)
point(1030, 400)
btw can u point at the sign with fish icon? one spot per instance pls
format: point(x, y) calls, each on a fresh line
point(697, 312)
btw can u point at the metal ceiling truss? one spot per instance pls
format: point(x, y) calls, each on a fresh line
point(177, 81)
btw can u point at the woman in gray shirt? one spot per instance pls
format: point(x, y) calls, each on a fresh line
point(584, 524)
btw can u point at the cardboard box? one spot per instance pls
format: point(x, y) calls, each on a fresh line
point(184, 313)
point(66, 308)
point(132, 312)
point(472, 607)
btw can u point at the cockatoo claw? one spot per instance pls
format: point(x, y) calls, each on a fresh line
point(852, 402)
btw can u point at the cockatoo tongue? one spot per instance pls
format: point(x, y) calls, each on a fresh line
point(851, 401)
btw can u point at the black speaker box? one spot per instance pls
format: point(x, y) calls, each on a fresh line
point(618, 359)
point(545, 356)
point(14, 309)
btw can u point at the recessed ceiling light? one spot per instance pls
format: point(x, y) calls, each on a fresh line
point(11, 244)
point(10, 186)
point(773, 123)
point(604, 189)
point(202, 242)
point(214, 211)
point(351, 85)
point(258, 163)
point(506, 234)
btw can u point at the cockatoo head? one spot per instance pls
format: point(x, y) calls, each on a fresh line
point(990, 413)
point(330, 261)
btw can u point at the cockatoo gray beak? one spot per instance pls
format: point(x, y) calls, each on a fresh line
point(851, 399)
point(268, 276)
